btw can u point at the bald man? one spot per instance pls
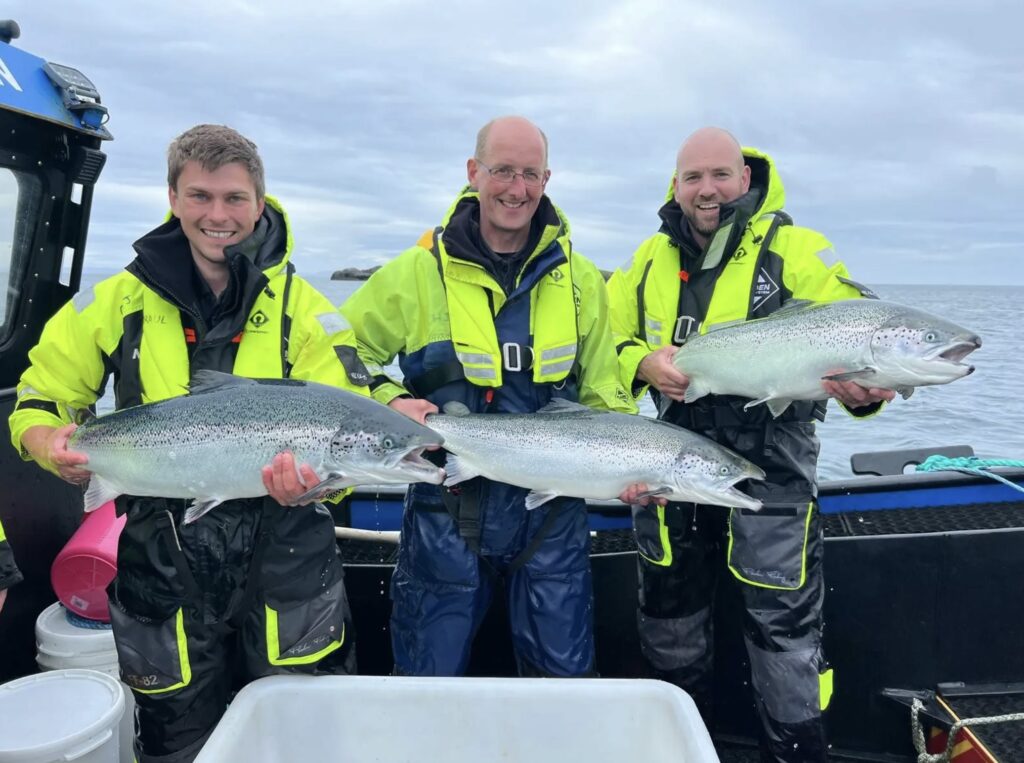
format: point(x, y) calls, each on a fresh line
point(726, 251)
point(495, 310)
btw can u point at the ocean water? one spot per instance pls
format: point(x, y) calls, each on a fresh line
point(981, 410)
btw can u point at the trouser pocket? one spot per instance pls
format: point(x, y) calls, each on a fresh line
point(306, 632)
point(768, 548)
point(651, 534)
point(152, 653)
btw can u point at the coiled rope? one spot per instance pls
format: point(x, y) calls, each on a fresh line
point(972, 465)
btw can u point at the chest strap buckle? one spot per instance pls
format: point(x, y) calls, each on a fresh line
point(512, 357)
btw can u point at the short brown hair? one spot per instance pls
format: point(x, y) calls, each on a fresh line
point(213, 146)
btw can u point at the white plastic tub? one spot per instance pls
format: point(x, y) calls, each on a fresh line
point(63, 715)
point(389, 719)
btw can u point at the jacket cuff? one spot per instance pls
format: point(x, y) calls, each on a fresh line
point(864, 411)
point(630, 356)
point(388, 391)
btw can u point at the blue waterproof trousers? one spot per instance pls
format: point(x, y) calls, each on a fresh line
point(441, 589)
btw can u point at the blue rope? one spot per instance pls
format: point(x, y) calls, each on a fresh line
point(971, 465)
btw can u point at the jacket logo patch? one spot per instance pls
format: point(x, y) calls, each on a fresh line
point(556, 274)
point(740, 254)
point(258, 319)
point(764, 289)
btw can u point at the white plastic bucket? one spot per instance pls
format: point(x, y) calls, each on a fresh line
point(62, 715)
point(62, 645)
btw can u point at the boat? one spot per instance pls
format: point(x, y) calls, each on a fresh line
point(921, 568)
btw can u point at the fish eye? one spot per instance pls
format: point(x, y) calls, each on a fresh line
point(930, 336)
point(723, 470)
point(388, 442)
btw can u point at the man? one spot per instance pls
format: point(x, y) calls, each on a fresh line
point(252, 587)
point(9, 573)
point(495, 310)
point(726, 251)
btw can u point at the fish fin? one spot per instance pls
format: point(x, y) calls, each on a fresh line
point(663, 490)
point(536, 498)
point(199, 507)
point(793, 306)
point(455, 408)
point(717, 326)
point(695, 391)
point(905, 392)
point(330, 483)
point(777, 405)
point(99, 492)
point(458, 470)
point(208, 381)
point(860, 373)
point(561, 405)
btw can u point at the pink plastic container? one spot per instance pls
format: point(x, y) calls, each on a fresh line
point(85, 566)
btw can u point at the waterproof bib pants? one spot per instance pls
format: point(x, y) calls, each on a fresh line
point(249, 590)
point(775, 558)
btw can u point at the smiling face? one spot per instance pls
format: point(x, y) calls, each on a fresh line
point(709, 173)
point(506, 209)
point(216, 208)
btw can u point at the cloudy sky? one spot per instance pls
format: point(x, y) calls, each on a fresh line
point(897, 127)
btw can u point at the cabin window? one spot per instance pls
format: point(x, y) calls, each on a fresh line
point(20, 198)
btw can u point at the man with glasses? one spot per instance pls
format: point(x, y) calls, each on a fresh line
point(492, 309)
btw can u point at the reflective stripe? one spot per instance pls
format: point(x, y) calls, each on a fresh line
point(274, 647)
point(554, 368)
point(558, 352)
point(825, 686)
point(186, 668)
point(480, 373)
point(332, 323)
point(472, 357)
point(641, 528)
point(83, 299)
point(653, 325)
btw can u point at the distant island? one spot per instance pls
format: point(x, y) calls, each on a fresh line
point(361, 274)
point(354, 274)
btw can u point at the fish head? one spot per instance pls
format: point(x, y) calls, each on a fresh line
point(709, 474)
point(915, 348)
point(384, 449)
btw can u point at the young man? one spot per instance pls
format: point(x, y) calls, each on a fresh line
point(252, 588)
point(493, 309)
point(726, 252)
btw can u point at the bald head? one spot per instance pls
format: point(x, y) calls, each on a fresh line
point(509, 131)
point(710, 141)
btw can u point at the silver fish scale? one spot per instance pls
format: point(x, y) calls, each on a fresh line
point(784, 356)
point(588, 454)
point(215, 442)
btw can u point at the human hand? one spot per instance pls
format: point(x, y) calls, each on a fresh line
point(632, 495)
point(657, 370)
point(285, 484)
point(49, 446)
point(852, 395)
point(413, 407)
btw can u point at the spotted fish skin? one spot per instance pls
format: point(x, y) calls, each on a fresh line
point(568, 449)
point(211, 445)
point(786, 356)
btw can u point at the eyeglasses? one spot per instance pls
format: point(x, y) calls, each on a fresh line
point(531, 178)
